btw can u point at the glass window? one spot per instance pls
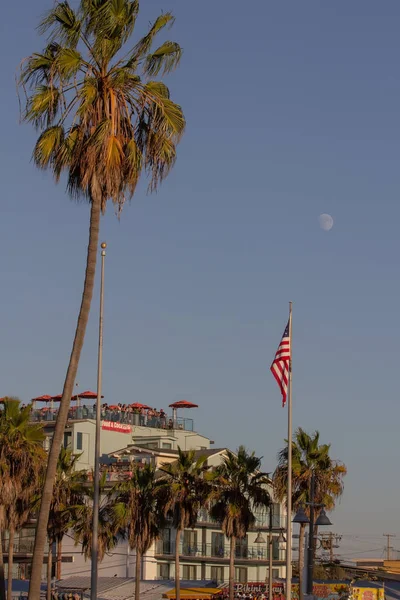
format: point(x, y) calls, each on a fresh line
point(189, 572)
point(165, 540)
point(189, 542)
point(241, 575)
point(217, 574)
point(275, 573)
point(217, 544)
point(163, 570)
point(166, 445)
point(241, 548)
point(276, 515)
point(79, 440)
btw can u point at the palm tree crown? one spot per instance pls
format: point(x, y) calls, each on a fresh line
point(241, 489)
point(308, 457)
point(102, 116)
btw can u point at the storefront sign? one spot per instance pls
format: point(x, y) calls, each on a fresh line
point(114, 426)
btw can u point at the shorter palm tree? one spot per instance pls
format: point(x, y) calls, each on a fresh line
point(142, 498)
point(239, 488)
point(309, 458)
point(111, 520)
point(185, 491)
point(22, 460)
point(69, 488)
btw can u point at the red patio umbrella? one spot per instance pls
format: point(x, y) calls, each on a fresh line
point(114, 407)
point(180, 404)
point(140, 405)
point(88, 395)
point(45, 398)
point(183, 404)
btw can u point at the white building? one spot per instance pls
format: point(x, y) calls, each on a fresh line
point(204, 551)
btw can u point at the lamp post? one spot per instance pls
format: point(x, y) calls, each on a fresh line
point(261, 540)
point(301, 517)
point(96, 478)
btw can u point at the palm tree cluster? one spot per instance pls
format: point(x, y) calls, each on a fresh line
point(137, 508)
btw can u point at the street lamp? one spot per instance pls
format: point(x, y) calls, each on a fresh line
point(322, 519)
point(261, 540)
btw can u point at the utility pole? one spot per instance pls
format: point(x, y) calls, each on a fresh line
point(388, 546)
point(330, 541)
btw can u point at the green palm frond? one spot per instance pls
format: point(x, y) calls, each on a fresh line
point(43, 106)
point(165, 59)
point(64, 24)
point(144, 45)
point(47, 146)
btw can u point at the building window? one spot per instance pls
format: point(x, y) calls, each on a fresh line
point(189, 572)
point(241, 575)
point(217, 574)
point(165, 541)
point(276, 515)
point(67, 439)
point(242, 548)
point(189, 543)
point(217, 544)
point(166, 445)
point(275, 573)
point(79, 440)
point(163, 570)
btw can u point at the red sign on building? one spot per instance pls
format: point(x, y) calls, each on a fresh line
point(114, 426)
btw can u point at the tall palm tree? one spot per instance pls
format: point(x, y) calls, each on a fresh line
point(308, 457)
point(141, 497)
point(186, 490)
point(111, 520)
point(22, 458)
point(240, 488)
point(68, 491)
point(103, 120)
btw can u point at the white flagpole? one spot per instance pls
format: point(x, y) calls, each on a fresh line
point(289, 473)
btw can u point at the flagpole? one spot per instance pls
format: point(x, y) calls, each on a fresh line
point(289, 473)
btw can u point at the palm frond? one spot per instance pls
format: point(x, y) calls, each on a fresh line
point(165, 59)
point(144, 45)
point(63, 23)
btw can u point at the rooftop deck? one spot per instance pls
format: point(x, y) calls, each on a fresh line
point(88, 411)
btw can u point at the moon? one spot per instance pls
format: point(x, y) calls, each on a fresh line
point(325, 222)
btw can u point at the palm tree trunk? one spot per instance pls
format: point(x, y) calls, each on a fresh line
point(59, 559)
point(232, 569)
point(11, 533)
point(47, 493)
point(49, 566)
point(301, 558)
point(137, 574)
point(2, 578)
point(177, 577)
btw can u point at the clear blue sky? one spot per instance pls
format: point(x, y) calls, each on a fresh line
point(292, 111)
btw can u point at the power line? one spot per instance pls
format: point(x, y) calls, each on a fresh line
point(388, 546)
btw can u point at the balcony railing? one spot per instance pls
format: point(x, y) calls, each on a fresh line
point(115, 416)
point(259, 552)
point(262, 520)
point(21, 546)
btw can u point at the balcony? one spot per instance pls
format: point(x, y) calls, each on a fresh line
point(78, 413)
point(22, 545)
point(220, 552)
point(262, 520)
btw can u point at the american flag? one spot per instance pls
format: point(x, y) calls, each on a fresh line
point(281, 363)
